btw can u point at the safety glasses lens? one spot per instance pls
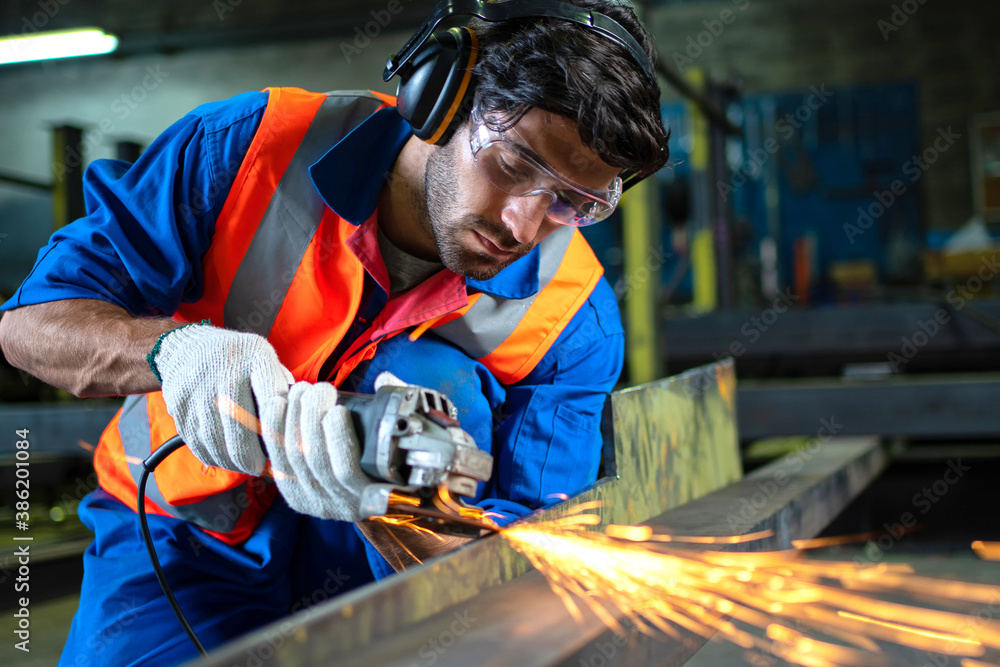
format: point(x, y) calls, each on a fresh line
point(513, 173)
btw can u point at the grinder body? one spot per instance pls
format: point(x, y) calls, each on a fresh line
point(412, 441)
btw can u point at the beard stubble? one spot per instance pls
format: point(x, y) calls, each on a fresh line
point(439, 216)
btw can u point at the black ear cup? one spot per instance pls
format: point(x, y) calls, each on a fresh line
point(436, 82)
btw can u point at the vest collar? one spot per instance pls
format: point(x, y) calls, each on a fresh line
point(349, 178)
point(517, 281)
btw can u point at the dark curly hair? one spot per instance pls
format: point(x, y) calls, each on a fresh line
point(564, 68)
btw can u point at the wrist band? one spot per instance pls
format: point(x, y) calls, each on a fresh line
point(151, 357)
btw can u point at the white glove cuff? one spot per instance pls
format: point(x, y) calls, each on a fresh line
point(158, 347)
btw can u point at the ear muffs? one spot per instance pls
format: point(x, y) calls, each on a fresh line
point(435, 66)
point(435, 83)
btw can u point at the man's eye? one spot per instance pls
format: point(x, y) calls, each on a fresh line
point(564, 197)
point(511, 170)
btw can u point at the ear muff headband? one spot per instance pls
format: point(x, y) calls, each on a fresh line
point(517, 9)
point(434, 67)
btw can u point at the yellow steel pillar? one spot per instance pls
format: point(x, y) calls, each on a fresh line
point(641, 242)
point(703, 270)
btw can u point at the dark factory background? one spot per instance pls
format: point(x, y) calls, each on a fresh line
point(830, 219)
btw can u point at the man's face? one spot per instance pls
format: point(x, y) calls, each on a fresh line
point(479, 229)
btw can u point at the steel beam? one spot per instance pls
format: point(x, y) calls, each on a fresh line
point(23, 181)
point(914, 407)
point(775, 341)
point(523, 624)
point(674, 440)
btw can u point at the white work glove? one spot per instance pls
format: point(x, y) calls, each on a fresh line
point(314, 452)
point(387, 379)
point(213, 380)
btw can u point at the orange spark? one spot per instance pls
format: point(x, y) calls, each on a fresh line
point(915, 631)
point(444, 502)
point(630, 533)
point(987, 550)
point(811, 612)
point(823, 542)
point(405, 521)
point(403, 499)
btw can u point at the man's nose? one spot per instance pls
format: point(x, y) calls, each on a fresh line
point(524, 215)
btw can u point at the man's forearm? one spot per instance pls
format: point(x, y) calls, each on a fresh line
point(87, 347)
point(399, 545)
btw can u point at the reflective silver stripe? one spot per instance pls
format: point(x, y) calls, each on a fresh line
point(491, 320)
point(291, 219)
point(133, 428)
point(219, 512)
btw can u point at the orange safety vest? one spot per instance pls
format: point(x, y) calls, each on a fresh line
point(280, 265)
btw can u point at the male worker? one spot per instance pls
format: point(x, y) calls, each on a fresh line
point(269, 248)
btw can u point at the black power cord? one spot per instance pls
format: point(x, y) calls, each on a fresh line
point(148, 466)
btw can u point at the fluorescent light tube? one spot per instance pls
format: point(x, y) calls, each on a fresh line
point(56, 44)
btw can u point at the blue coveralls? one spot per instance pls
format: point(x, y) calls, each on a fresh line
point(140, 247)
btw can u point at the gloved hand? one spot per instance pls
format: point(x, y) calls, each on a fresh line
point(314, 452)
point(199, 365)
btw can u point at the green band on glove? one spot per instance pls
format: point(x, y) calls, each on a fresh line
point(151, 357)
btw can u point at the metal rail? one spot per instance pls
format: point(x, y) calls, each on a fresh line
point(927, 407)
point(523, 624)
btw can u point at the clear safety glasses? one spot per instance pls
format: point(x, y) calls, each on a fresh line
point(511, 166)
